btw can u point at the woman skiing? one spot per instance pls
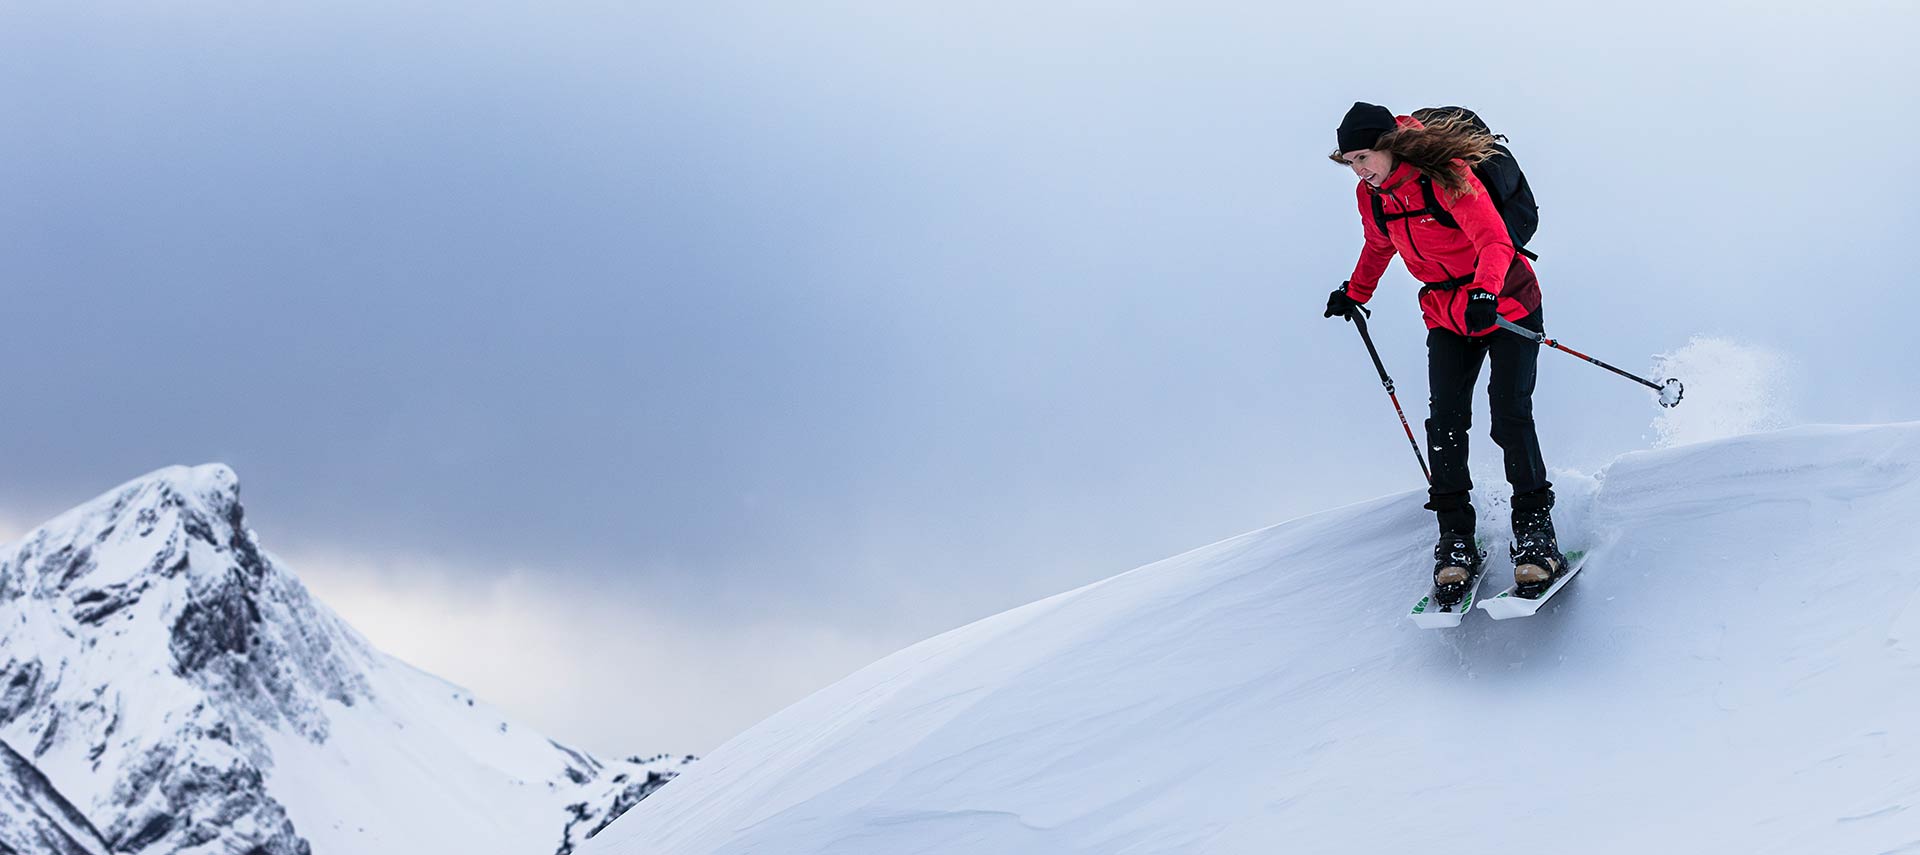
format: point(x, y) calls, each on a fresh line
point(1419, 199)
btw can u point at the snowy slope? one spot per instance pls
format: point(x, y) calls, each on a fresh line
point(1737, 670)
point(182, 688)
point(35, 819)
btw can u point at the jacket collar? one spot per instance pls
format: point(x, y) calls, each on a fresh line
point(1402, 173)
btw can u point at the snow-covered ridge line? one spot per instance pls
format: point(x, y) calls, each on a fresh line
point(1733, 671)
point(185, 691)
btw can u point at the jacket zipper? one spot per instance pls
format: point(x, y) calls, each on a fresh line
point(1453, 294)
point(1407, 223)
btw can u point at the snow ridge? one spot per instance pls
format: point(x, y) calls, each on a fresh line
point(1734, 671)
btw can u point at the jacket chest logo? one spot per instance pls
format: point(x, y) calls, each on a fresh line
point(1408, 207)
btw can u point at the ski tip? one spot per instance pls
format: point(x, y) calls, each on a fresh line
point(1436, 620)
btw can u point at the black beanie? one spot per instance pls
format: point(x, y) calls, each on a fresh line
point(1363, 126)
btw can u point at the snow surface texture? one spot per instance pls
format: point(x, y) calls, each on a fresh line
point(181, 688)
point(1736, 670)
point(35, 819)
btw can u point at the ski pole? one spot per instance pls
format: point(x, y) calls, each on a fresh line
point(1670, 391)
point(1359, 320)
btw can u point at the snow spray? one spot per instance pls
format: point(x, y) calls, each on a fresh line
point(1734, 389)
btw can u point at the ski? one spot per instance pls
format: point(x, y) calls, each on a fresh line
point(1428, 614)
point(1508, 604)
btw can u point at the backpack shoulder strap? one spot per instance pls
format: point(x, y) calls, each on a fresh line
point(1379, 214)
point(1445, 217)
point(1440, 215)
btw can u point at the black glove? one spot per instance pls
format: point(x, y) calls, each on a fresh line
point(1339, 304)
point(1482, 308)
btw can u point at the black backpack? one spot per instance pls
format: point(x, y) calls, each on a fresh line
point(1501, 176)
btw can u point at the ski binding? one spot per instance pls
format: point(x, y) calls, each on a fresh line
point(1429, 614)
point(1508, 604)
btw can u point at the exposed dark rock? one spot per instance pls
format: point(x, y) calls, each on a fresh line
point(585, 822)
point(221, 622)
point(155, 828)
point(94, 606)
point(148, 519)
point(19, 688)
point(47, 735)
point(178, 805)
point(65, 564)
point(169, 563)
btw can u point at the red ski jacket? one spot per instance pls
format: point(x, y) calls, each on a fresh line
point(1451, 261)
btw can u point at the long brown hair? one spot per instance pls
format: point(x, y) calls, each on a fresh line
point(1445, 136)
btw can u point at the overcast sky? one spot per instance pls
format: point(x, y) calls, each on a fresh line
point(645, 366)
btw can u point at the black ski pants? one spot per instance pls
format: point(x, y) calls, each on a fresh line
point(1453, 366)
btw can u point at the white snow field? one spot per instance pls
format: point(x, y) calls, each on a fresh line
point(1736, 670)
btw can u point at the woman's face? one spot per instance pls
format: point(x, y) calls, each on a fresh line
point(1372, 166)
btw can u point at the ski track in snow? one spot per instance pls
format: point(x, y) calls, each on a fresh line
point(1734, 671)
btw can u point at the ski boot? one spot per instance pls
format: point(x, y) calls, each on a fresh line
point(1456, 566)
point(1537, 562)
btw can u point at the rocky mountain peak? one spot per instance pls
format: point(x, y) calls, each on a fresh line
point(184, 690)
point(152, 527)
